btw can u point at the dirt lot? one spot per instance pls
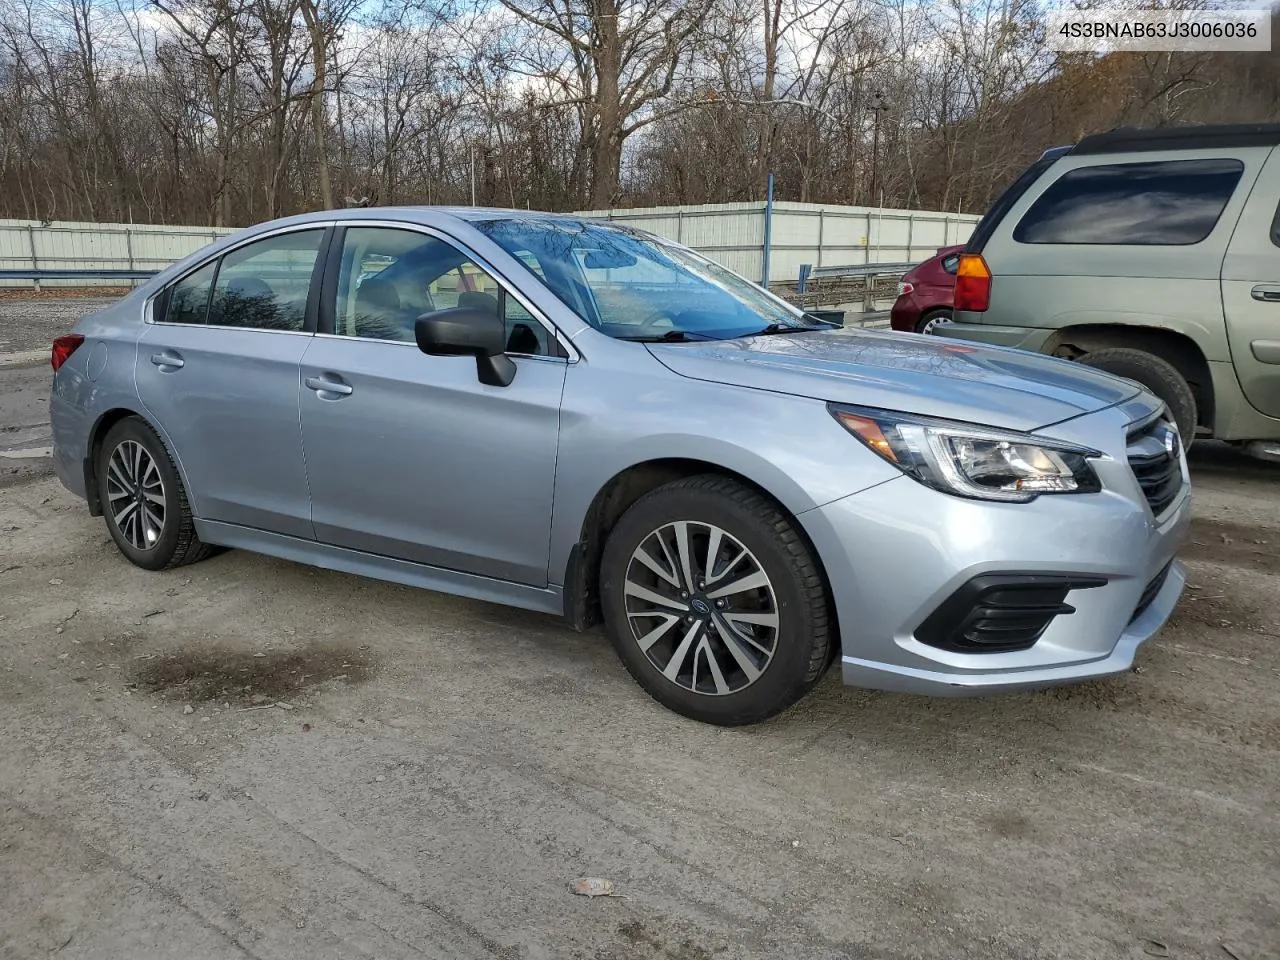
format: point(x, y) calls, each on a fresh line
point(251, 758)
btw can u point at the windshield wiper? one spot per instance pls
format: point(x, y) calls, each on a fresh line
point(779, 327)
point(671, 336)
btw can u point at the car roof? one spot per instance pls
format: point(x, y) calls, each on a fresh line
point(429, 213)
point(430, 216)
point(1203, 137)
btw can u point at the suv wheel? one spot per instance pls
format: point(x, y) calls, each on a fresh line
point(143, 500)
point(714, 602)
point(1157, 375)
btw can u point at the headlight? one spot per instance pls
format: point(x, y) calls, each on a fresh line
point(972, 461)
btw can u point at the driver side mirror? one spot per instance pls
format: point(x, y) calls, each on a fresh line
point(468, 332)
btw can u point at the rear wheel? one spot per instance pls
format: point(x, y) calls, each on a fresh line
point(143, 500)
point(714, 602)
point(1157, 375)
point(929, 322)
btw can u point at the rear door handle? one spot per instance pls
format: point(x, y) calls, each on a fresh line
point(1266, 292)
point(168, 359)
point(325, 385)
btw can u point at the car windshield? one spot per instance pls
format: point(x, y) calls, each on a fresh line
point(635, 286)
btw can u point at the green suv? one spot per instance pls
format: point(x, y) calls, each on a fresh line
point(1152, 254)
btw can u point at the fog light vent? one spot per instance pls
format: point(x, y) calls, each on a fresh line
point(1000, 612)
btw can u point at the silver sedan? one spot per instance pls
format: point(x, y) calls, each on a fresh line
point(574, 417)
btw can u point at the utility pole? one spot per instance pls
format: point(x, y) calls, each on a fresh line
point(768, 234)
point(877, 107)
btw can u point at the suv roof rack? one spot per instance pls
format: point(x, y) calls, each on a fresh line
point(1132, 139)
point(1053, 153)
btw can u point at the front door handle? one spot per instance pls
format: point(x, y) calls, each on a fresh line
point(325, 385)
point(168, 359)
point(1266, 292)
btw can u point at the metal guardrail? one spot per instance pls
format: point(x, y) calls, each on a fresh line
point(38, 275)
point(863, 270)
point(868, 272)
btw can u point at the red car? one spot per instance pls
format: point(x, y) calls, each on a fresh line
point(924, 295)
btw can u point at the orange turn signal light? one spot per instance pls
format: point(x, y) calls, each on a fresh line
point(870, 433)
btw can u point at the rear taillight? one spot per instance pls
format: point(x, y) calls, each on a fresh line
point(973, 283)
point(63, 347)
point(904, 288)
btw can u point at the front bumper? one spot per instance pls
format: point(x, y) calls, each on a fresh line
point(896, 552)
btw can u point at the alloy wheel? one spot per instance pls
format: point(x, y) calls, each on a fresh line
point(135, 495)
point(701, 608)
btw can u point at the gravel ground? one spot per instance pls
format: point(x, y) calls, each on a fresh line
point(30, 323)
point(252, 758)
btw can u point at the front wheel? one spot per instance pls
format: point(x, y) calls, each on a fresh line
point(1157, 375)
point(714, 601)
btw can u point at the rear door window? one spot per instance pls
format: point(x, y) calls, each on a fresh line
point(189, 297)
point(1162, 203)
point(264, 285)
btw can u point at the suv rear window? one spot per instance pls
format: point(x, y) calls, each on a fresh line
point(1165, 203)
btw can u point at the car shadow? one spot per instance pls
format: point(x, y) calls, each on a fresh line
point(1210, 458)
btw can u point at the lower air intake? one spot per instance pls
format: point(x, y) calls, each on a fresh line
point(997, 613)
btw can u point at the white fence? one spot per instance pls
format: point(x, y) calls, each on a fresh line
point(817, 234)
point(731, 233)
point(96, 246)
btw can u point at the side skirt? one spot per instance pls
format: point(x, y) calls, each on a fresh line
point(312, 553)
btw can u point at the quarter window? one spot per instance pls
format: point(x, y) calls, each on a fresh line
point(1169, 203)
point(189, 297)
point(264, 285)
point(389, 278)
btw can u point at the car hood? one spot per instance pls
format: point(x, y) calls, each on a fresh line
point(929, 376)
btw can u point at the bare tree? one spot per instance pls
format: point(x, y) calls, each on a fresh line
point(233, 111)
point(624, 56)
point(325, 20)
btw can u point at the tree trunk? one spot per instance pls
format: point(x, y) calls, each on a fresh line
point(764, 145)
point(606, 147)
point(319, 121)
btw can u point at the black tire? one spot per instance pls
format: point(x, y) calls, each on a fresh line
point(803, 639)
point(943, 315)
point(176, 544)
point(1157, 375)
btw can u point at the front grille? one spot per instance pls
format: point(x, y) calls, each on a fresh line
point(1157, 468)
point(1151, 590)
point(998, 613)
